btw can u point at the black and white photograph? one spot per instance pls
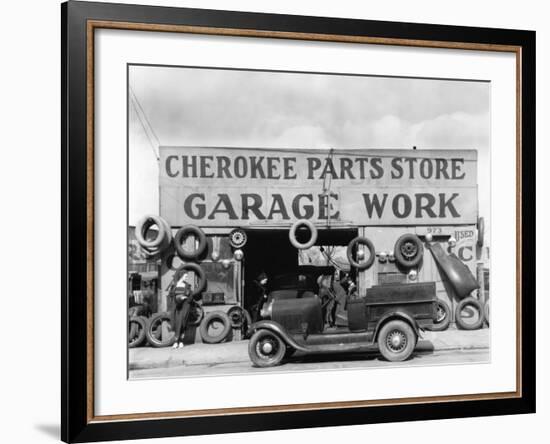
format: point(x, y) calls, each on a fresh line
point(284, 221)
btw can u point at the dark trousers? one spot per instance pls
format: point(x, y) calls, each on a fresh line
point(179, 316)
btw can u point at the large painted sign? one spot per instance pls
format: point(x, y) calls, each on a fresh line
point(230, 187)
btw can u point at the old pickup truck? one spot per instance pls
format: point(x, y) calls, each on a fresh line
point(390, 315)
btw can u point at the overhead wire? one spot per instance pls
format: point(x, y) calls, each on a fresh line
point(151, 143)
point(148, 129)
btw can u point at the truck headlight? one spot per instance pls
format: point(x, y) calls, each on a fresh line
point(267, 311)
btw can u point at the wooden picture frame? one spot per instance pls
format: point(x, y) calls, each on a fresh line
point(79, 22)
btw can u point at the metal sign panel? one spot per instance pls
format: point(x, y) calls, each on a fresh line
point(231, 187)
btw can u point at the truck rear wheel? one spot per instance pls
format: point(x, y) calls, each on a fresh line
point(396, 340)
point(266, 349)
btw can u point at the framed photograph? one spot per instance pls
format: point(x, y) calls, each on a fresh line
point(275, 221)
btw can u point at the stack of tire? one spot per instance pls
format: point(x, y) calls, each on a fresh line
point(408, 253)
point(470, 313)
point(467, 309)
point(161, 242)
point(137, 325)
point(154, 328)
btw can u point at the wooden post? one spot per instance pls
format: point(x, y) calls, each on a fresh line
point(481, 281)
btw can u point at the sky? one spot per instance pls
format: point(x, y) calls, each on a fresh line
point(238, 108)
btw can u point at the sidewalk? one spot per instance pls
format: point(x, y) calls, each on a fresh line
point(237, 351)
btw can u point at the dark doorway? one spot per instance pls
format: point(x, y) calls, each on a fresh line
point(268, 251)
point(271, 252)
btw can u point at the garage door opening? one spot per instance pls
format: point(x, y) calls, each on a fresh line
point(270, 252)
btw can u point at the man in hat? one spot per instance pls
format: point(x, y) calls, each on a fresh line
point(261, 288)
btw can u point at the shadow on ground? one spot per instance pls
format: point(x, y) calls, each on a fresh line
point(424, 347)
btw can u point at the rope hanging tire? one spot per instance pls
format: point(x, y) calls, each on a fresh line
point(408, 250)
point(360, 265)
point(313, 234)
point(182, 233)
point(461, 320)
point(222, 334)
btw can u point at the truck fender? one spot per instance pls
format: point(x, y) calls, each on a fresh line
point(277, 328)
point(396, 315)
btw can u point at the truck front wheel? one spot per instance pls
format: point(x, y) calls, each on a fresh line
point(396, 340)
point(266, 349)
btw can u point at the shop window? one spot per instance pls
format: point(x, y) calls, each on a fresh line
point(221, 245)
point(221, 279)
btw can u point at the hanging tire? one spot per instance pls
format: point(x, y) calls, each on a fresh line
point(396, 340)
point(221, 333)
point(266, 349)
point(360, 240)
point(486, 312)
point(153, 331)
point(197, 269)
point(196, 315)
point(143, 226)
point(443, 317)
point(136, 334)
point(462, 321)
point(408, 250)
point(182, 233)
point(312, 229)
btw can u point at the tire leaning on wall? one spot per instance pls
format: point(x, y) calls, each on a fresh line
point(469, 302)
point(443, 324)
point(139, 322)
point(209, 319)
point(154, 335)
